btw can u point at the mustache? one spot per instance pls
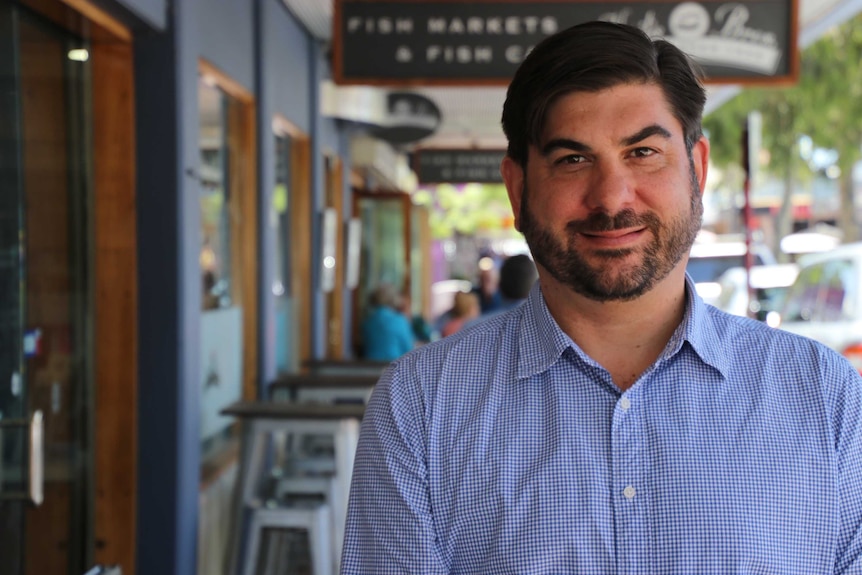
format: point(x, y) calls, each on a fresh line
point(604, 222)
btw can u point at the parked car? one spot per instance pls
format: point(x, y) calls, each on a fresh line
point(712, 255)
point(825, 301)
point(769, 284)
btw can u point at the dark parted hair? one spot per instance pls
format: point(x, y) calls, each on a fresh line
point(591, 57)
point(517, 276)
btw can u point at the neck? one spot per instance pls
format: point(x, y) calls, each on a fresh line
point(624, 337)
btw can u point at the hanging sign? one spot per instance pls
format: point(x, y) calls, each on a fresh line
point(410, 117)
point(439, 166)
point(405, 42)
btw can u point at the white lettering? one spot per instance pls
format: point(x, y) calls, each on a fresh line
point(511, 25)
point(619, 17)
point(461, 54)
point(383, 25)
point(475, 25)
point(515, 54)
point(404, 26)
point(456, 26)
point(483, 54)
point(403, 54)
point(735, 18)
point(550, 25)
point(650, 25)
point(436, 25)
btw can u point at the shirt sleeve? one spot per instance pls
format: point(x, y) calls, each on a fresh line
point(390, 527)
point(846, 414)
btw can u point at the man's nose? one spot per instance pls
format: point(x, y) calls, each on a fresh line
point(612, 188)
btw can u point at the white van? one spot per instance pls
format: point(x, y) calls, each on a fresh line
point(825, 301)
point(709, 258)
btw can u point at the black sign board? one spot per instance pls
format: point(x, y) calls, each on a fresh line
point(438, 166)
point(411, 117)
point(405, 42)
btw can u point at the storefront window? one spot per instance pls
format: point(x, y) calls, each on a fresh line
point(384, 254)
point(281, 275)
point(215, 258)
point(221, 263)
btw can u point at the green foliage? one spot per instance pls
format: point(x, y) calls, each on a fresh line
point(825, 104)
point(469, 209)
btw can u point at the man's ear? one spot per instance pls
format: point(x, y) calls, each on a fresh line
point(700, 159)
point(513, 177)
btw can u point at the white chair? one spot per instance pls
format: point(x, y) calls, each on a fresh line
point(314, 519)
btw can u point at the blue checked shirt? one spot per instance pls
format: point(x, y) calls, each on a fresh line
point(504, 449)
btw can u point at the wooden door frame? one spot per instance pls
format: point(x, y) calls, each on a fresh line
point(242, 131)
point(406, 213)
point(334, 183)
point(116, 304)
point(300, 208)
point(114, 276)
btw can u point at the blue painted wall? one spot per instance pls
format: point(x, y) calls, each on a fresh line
point(286, 50)
point(169, 295)
point(153, 12)
point(284, 88)
point(261, 46)
point(227, 38)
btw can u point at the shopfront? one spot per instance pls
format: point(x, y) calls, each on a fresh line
point(67, 290)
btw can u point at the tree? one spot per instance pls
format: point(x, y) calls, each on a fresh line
point(781, 110)
point(831, 79)
point(468, 209)
point(825, 104)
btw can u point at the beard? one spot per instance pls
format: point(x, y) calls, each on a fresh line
point(603, 281)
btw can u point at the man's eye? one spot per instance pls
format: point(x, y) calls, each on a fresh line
point(570, 159)
point(643, 152)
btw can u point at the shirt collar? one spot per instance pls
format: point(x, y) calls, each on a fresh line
point(700, 330)
point(542, 342)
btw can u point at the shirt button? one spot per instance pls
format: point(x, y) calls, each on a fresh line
point(629, 492)
point(625, 403)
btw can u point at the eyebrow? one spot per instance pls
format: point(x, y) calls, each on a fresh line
point(649, 131)
point(576, 146)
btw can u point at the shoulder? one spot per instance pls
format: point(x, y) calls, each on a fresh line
point(782, 361)
point(467, 357)
point(748, 337)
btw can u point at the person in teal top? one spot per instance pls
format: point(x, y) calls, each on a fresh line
point(386, 332)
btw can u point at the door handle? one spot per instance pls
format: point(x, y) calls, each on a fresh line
point(36, 457)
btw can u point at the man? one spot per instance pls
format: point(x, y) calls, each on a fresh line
point(488, 288)
point(386, 332)
point(613, 423)
point(517, 276)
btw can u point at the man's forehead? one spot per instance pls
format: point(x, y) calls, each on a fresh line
point(620, 111)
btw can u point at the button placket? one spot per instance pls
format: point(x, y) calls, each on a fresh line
point(630, 503)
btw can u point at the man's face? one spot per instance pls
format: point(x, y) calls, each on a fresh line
point(610, 201)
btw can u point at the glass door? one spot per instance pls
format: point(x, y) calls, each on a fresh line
point(45, 298)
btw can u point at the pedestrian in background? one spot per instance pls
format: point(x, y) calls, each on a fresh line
point(488, 286)
point(518, 275)
point(464, 309)
point(386, 332)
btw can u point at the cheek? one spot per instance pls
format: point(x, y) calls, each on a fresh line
point(558, 205)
